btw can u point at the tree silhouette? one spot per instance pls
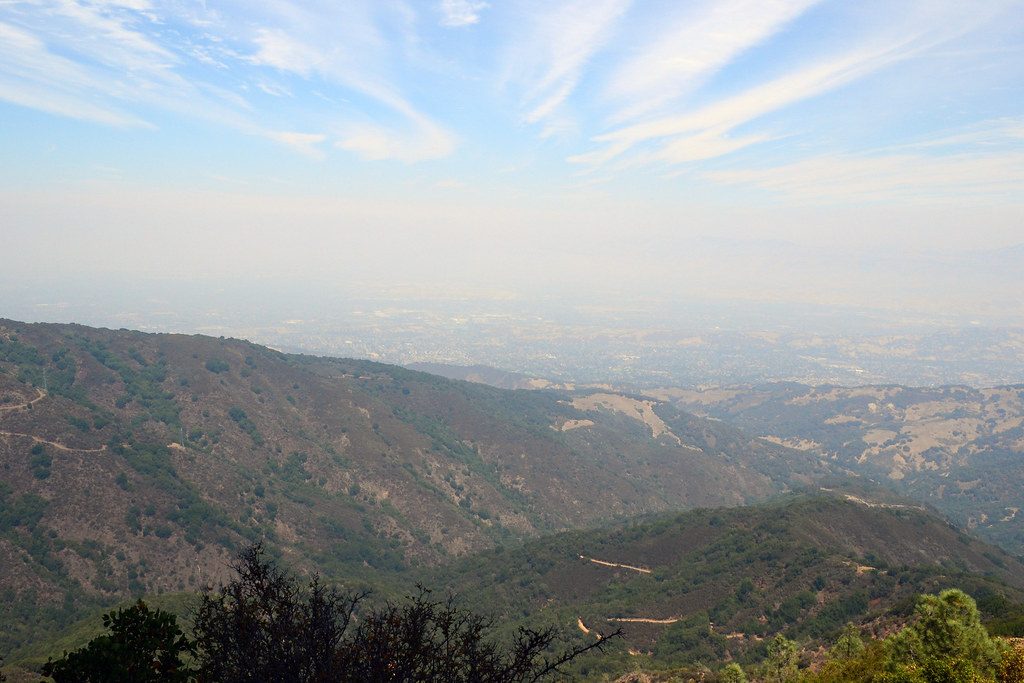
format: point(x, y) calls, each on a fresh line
point(265, 626)
point(142, 646)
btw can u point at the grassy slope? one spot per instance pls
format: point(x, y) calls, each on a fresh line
point(956, 448)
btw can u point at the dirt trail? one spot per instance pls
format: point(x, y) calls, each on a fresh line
point(56, 445)
point(637, 620)
point(37, 399)
point(628, 620)
point(615, 564)
point(579, 622)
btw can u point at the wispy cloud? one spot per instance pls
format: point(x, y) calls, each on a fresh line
point(275, 89)
point(109, 33)
point(978, 165)
point(690, 47)
point(985, 133)
point(456, 13)
point(110, 172)
point(103, 62)
point(645, 83)
point(705, 39)
point(705, 133)
point(32, 76)
point(116, 62)
point(345, 47)
point(422, 140)
point(278, 49)
point(550, 60)
point(305, 143)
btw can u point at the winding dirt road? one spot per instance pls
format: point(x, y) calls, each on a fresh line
point(628, 620)
point(37, 399)
point(56, 445)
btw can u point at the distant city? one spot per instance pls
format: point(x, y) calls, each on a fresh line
point(635, 344)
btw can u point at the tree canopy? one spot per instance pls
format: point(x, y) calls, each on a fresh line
point(141, 646)
point(947, 643)
point(266, 626)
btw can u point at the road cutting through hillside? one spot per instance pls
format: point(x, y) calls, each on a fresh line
point(625, 620)
point(615, 564)
point(37, 399)
point(58, 446)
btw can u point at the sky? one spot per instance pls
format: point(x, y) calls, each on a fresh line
point(867, 152)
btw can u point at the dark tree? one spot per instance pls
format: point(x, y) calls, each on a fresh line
point(264, 626)
point(142, 646)
point(427, 640)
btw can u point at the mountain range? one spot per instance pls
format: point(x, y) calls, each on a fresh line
point(955, 447)
point(137, 464)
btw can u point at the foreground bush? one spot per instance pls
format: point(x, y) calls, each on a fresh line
point(142, 646)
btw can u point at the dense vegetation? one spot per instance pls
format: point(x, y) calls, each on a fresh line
point(265, 626)
point(944, 642)
point(136, 465)
point(718, 584)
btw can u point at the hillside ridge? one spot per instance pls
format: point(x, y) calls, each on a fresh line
point(136, 463)
point(714, 584)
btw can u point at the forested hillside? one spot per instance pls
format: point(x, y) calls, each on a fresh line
point(715, 585)
point(807, 576)
point(135, 464)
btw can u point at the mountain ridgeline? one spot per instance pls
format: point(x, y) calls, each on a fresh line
point(134, 463)
point(715, 585)
point(956, 447)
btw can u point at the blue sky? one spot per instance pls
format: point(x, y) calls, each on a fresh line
point(505, 143)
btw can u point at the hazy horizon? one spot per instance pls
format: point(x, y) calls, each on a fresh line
point(798, 153)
